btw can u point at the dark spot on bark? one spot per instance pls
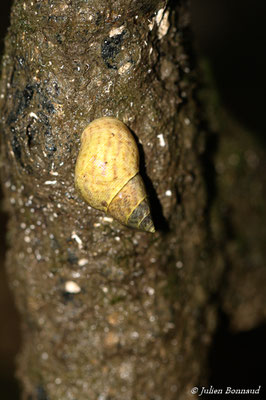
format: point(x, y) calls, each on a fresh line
point(104, 204)
point(21, 61)
point(50, 146)
point(117, 299)
point(143, 8)
point(11, 118)
point(110, 49)
point(98, 18)
point(67, 296)
point(16, 148)
point(21, 101)
point(59, 38)
point(71, 257)
point(77, 66)
point(30, 135)
point(43, 100)
point(41, 393)
point(27, 96)
point(56, 88)
point(12, 75)
point(50, 149)
point(56, 18)
point(54, 243)
point(29, 169)
point(43, 118)
point(51, 18)
point(47, 105)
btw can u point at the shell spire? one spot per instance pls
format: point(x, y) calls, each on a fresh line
point(107, 173)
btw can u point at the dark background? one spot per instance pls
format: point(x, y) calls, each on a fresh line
point(231, 35)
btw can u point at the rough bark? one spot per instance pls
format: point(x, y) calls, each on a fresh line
point(140, 326)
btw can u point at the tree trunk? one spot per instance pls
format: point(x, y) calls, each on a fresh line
point(108, 312)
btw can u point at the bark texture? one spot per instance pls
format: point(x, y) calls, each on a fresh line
point(138, 324)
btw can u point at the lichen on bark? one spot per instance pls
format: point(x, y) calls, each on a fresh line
point(138, 323)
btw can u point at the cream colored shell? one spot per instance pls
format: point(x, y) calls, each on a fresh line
point(107, 173)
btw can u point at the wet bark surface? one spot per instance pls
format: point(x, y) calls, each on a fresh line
point(108, 312)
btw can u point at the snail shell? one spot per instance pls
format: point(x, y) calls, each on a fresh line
point(107, 173)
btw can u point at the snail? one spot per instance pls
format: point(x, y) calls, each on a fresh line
point(107, 173)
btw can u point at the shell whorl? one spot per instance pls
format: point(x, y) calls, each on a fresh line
point(107, 173)
point(131, 201)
